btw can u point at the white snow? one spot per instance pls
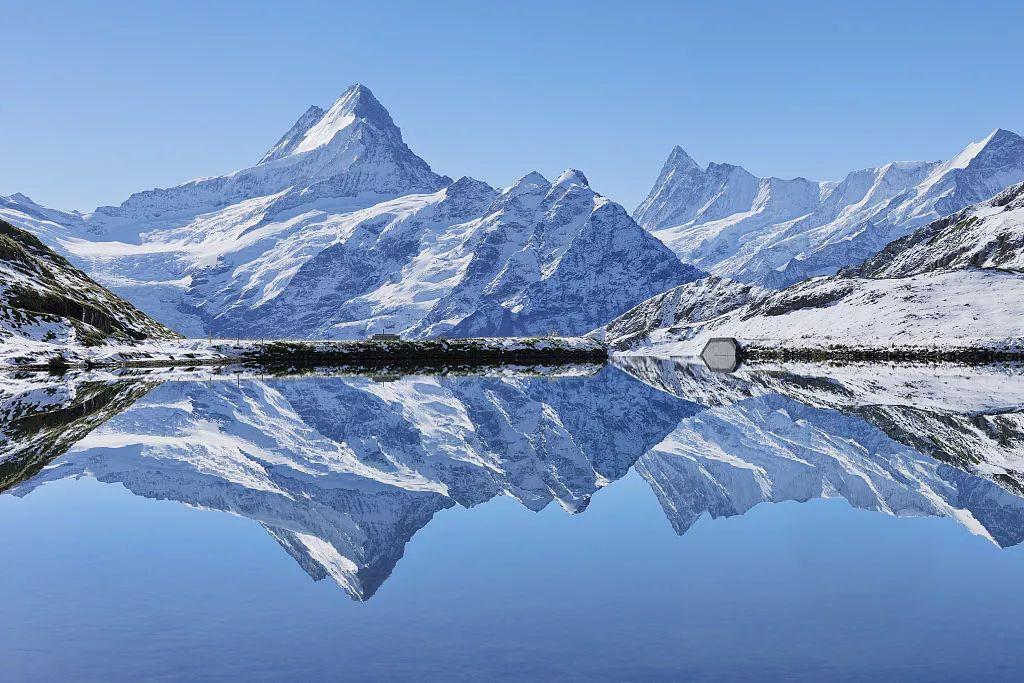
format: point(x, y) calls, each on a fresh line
point(776, 232)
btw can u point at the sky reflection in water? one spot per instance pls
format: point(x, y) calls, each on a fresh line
point(439, 506)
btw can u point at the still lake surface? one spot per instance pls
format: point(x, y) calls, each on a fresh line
point(644, 520)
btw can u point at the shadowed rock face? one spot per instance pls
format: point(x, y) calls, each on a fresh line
point(342, 472)
point(44, 298)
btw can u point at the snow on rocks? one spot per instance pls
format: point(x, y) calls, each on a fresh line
point(340, 232)
point(954, 287)
point(774, 232)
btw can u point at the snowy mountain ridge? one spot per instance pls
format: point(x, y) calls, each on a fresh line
point(352, 149)
point(773, 232)
point(340, 231)
point(956, 284)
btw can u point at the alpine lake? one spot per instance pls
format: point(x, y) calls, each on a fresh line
point(642, 519)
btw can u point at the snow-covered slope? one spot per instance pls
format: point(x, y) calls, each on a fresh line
point(776, 232)
point(989, 235)
point(341, 231)
point(44, 300)
point(465, 261)
point(955, 285)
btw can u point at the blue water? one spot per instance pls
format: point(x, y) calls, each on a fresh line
point(101, 583)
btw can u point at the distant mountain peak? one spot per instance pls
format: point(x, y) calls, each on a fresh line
point(22, 198)
point(572, 176)
point(358, 101)
point(993, 144)
point(678, 158)
point(316, 127)
point(1000, 134)
point(530, 182)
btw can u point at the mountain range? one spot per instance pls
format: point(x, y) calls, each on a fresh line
point(954, 285)
point(341, 231)
point(773, 233)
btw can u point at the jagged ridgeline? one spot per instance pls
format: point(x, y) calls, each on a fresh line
point(951, 289)
point(341, 231)
point(44, 298)
point(774, 232)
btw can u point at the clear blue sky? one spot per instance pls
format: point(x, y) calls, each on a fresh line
point(98, 102)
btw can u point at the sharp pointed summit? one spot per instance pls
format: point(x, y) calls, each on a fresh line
point(679, 159)
point(352, 148)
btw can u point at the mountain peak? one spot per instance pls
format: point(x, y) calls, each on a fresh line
point(572, 176)
point(1001, 134)
point(286, 145)
point(317, 127)
point(22, 198)
point(992, 145)
point(679, 159)
point(530, 181)
point(358, 101)
point(998, 158)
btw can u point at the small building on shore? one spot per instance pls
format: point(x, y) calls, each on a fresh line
point(721, 354)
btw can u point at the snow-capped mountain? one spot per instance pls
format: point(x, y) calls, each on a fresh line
point(45, 299)
point(352, 149)
point(774, 232)
point(954, 285)
point(467, 260)
point(989, 235)
point(341, 231)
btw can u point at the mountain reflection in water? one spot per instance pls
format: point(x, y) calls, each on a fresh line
point(343, 471)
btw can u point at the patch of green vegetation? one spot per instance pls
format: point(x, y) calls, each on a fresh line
point(95, 319)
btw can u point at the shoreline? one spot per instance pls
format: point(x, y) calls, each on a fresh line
point(396, 354)
point(964, 355)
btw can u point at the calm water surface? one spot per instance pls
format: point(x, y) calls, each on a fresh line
point(643, 521)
